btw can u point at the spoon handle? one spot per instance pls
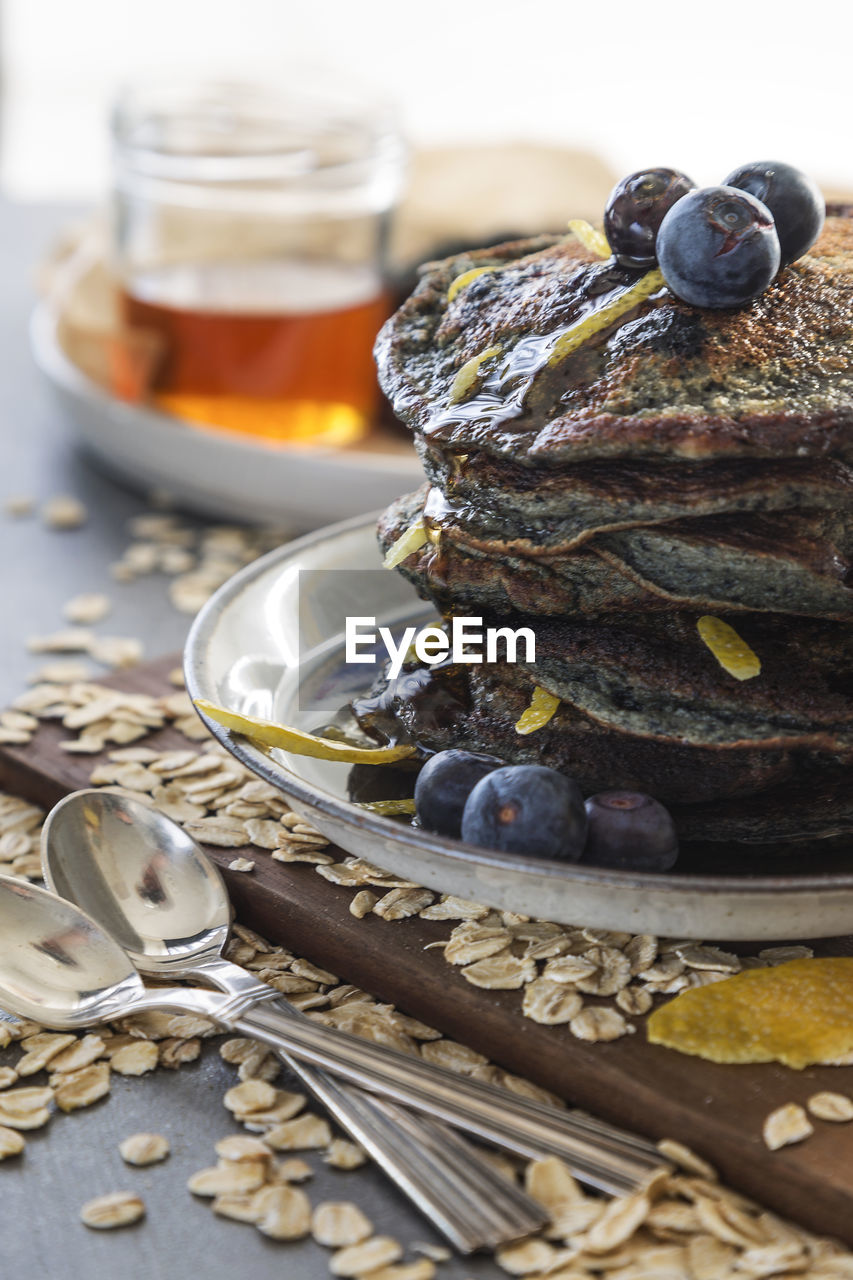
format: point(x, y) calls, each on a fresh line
point(472, 1205)
point(599, 1154)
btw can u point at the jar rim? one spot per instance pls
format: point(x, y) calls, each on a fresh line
point(309, 127)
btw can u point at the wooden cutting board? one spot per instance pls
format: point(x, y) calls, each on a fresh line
point(717, 1110)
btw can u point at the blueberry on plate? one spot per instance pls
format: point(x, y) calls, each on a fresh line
point(635, 209)
point(527, 809)
point(444, 784)
point(718, 247)
point(631, 831)
point(794, 200)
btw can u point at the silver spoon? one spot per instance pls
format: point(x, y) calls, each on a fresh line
point(60, 968)
point(164, 902)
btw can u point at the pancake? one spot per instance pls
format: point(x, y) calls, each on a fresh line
point(679, 463)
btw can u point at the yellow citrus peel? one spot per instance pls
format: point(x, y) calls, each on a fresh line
point(269, 734)
point(412, 540)
point(583, 330)
point(542, 707)
point(731, 651)
point(799, 1013)
point(388, 808)
point(469, 373)
point(590, 238)
point(466, 278)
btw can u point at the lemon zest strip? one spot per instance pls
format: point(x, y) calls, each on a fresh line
point(579, 333)
point(466, 277)
point(297, 742)
point(591, 239)
point(468, 374)
point(412, 540)
point(731, 650)
point(542, 707)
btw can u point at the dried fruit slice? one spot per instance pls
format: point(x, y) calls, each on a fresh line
point(731, 651)
point(466, 277)
point(301, 744)
point(469, 373)
point(577, 334)
point(799, 1013)
point(542, 707)
point(591, 239)
point(412, 540)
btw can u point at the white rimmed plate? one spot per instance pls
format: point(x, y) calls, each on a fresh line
point(262, 647)
point(218, 473)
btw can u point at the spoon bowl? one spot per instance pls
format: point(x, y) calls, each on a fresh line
point(57, 966)
point(141, 876)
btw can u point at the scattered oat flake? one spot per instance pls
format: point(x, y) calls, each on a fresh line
point(830, 1106)
point(117, 1209)
point(19, 505)
point(336, 1223)
point(85, 609)
point(525, 1256)
point(798, 1013)
point(241, 864)
point(596, 1023)
point(135, 1059)
point(343, 1154)
point(252, 1095)
point(144, 1148)
point(228, 1178)
point(285, 1213)
point(64, 512)
point(361, 1259)
point(81, 1088)
point(12, 1143)
point(786, 1125)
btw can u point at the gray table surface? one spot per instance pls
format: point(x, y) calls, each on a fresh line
point(76, 1156)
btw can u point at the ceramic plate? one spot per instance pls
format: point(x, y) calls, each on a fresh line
point(220, 473)
point(265, 646)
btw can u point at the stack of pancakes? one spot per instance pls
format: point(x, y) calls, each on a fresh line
point(680, 462)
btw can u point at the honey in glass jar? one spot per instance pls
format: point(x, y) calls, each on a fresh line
point(249, 234)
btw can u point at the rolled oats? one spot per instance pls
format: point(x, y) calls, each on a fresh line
point(786, 1125)
point(251, 1096)
point(551, 1183)
point(598, 1023)
point(12, 1143)
point(363, 903)
point(525, 1256)
point(305, 1133)
point(64, 512)
point(135, 1059)
point(117, 1209)
point(228, 1178)
point(81, 1088)
point(144, 1148)
point(503, 972)
point(80, 1054)
point(174, 1052)
point(336, 1223)
point(362, 1259)
point(240, 1147)
point(550, 1003)
point(285, 1213)
point(343, 1154)
point(831, 1106)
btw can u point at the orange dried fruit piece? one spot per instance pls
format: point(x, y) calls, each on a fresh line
point(268, 734)
point(799, 1013)
point(467, 276)
point(469, 374)
point(731, 650)
point(416, 536)
point(542, 707)
point(591, 239)
point(582, 330)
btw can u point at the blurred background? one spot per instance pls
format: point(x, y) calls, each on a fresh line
point(698, 87)
point(222, 258)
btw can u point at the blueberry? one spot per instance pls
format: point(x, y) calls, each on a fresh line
point(635, 209)
point(717, 247)
point(629, 830)
point(792, 197)
point(444, 784)
point(527, 809)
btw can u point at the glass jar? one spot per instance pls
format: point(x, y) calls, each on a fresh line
point(249, 232)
